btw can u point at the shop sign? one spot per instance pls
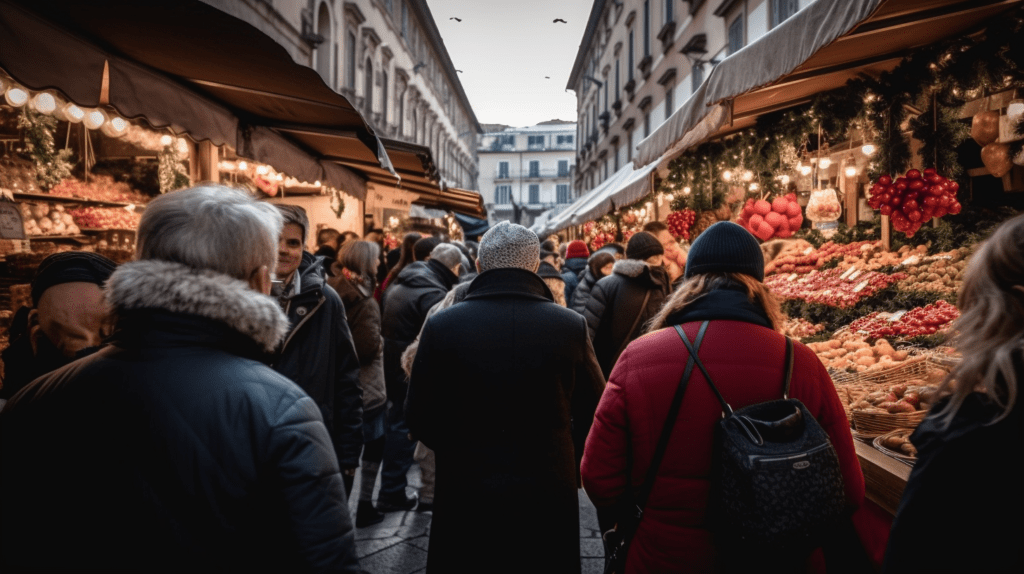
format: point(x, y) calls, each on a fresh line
point(11, 224)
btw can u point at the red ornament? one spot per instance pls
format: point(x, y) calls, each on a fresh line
point(913, 199)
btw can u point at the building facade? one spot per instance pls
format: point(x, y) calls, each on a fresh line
point(640, 59)
point(388, 58)
point(526, 171)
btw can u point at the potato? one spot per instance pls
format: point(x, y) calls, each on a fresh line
point(865, 361)
point(901, 407)
point(867, 352)
point(908, 449)
point(900, 356)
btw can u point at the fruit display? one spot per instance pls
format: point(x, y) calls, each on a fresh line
point(800, 328)
point(913, 395)
point(823, 205)
point(913, 199)
point(105, 218)
point(801, 257)
point(47, 219)
point(832, 287)
point(779, 218)
point(852, 353)
point(942, 272)
point(919, 321)
point(100, 188)
point(679, 223)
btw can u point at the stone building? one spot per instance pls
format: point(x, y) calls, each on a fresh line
point(388, 58)
point(640, 59)
point(528, 170)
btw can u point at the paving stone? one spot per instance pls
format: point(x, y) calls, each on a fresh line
point(593, 565)
point(367, 547)
point(421, 542)
point(592, 547)
point(402, 558)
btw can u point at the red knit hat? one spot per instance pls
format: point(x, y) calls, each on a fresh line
point(577, 249)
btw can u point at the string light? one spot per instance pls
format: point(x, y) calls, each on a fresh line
point(94, 119)
point(44, 103)
point(727, 175)
point(851, 170)
point(748, 175)
point(166, 140)
point(262, 170)
point(116, 127)
point(686, 190)
point(754, 187)
point(16, 96)
point(72, 113)
point(242, 166)
point(867, 149)
point(824, 163)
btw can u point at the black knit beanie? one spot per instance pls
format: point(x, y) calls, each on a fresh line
point(643, 245)
point(70, 267)
point(725, 247)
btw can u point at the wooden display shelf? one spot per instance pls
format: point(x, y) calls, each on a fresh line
point(21, 196)
point(78, 238)
point(884, 477)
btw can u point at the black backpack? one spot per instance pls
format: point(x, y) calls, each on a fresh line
point(776, 482)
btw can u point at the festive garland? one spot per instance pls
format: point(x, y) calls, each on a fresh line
point(172, 174)
point(52, 166)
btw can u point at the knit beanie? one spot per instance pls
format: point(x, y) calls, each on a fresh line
point(507, 245)
point(643, 245)
point(577, 249)
point(423, 247)
point(725, 247)
point(70, 267)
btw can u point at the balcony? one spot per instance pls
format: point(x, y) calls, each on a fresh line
point(547, 173)
point(645, 66)
point(502, 175)
point(667, 35)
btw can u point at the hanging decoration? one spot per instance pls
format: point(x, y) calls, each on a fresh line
point(996, 157)
point(337, 202)
point(172, 173)
point(985, 128)
point(913, 199)
point(679, 223)
point(779, 218)
point(52, 165)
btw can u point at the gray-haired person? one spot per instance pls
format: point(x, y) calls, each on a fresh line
point(188, 453)
point(503, 389)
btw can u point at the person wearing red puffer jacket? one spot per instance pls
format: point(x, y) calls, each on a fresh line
point(744, 354)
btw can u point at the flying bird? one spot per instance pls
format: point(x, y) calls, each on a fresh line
point(557, 20)
point(547, 77)
point(456, 19)
point(459, 71)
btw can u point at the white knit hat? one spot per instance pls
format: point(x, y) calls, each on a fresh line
point(509, 245)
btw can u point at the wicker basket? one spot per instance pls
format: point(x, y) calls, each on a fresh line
point(877, 424)
point(913, 367)
point(877, 443)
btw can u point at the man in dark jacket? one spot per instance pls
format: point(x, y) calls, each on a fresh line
point(175, 448)
point(622, 302)
point(504, 388)
point(318, 352)
point(576, 255)
point(406, 302)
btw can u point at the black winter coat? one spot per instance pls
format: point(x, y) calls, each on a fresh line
point(582, 292)
point(503, 389)
point(417, 288)
point(616, 312)
point(964, 489)
point(319, 355)
point(173, 449)
point(363, 315)
point(571, 272)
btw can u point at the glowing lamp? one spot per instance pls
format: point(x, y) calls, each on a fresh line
point(44, 103)
point(754, 187)
point(748, 175)
point(867, 149)
point(72, 113)
point(824, 163)
point(16, 96)
point(115, 128)
point(242, 166)
point(686, 190)
point(727, 175)
point(262, 170)
point(94, 119)
point(851, 170)
point(805, 170)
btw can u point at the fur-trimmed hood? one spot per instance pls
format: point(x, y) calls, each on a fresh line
point(629, 267)
point(168, 286)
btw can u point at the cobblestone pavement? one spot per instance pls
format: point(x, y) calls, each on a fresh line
point(399, 544)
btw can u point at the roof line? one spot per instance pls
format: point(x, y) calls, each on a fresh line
point(588, 37)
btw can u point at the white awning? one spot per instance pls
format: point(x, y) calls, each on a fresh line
point(585, 202)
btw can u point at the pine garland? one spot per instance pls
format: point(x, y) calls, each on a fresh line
point(52, 166)
point(172, 174)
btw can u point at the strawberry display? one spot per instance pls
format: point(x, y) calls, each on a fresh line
point(105, 218)
point(101, 188)
point(679, 223)
point(913, 199)
point(831, 287)
point(779, 218)
point(918, 321)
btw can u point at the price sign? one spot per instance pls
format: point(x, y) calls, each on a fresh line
point(793, 276)
point(808, 251)
point(854, 275)
point(848, 272)
point(912, 260)
point(860, 287)
point(11, 225)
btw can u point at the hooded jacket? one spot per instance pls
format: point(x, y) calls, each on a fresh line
point(319, 355)
point(189, 453)
point(553, 279)
point(582, 292)
point(363, 314)
point(571, 273)
point(417, 288)
point(617, 301)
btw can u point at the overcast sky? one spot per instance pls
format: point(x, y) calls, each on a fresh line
point(505, 48)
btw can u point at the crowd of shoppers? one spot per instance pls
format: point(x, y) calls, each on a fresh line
point(207, 407)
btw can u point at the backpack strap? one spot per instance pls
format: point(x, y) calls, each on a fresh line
point(788, 368)
point(726, 409)
point(629, 335)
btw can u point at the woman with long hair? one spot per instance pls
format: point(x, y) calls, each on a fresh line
point(407, 256)
point(354, 279)
point(964, 486)
point(744, 353)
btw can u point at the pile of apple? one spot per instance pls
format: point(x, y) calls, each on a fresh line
point(101, 188)
point(105, 218)
point(781, 218)
point(679, 222)
point(915, 198)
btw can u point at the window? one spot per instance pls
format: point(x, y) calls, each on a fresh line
point(647, 28)
point(350, 61)
point(565, 140)
point(782, 9)
point(323, 54)
point(616, 152)
point(368, 86)
point(669, 15)
point(696, 77)
point(535, 141)
point(504, 141)
point(563, 167)
point(670, 104)
point(604, 167)
point(606, 93)
point(534, 193)
point(629, 67)
point(562, 193)
point(405, 20)
point(616, 79)
point(647, 124)
point(503, 170)
point(534, 168)
point(736, 35)
point(503, 194)
point(629, 146)
point(384, 97)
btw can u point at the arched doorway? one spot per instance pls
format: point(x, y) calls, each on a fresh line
point(323, 51)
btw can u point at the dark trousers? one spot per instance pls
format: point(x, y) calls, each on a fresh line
point(398, 457)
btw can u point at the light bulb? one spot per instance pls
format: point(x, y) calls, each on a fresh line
point(805, 170)
point(867, 149)
point(748, 175)
point(784, 179)
point(824, 163)
point(44, 103)
point(279, 177)
point(94, 119)
point(73, 113)
point(754, 186)
point(261, 170)
point(182, 146)
point(727, 175)
point(115, 128)
point(316, 183)
point(686, 190)
point(242, 166)
point(851, 171)
point(165, 140)
point(16, 96)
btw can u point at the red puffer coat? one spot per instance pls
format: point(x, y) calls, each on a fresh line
point(746, 363)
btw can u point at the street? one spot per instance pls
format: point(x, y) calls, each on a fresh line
point(399, 544)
